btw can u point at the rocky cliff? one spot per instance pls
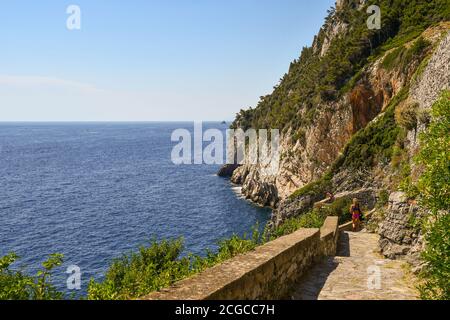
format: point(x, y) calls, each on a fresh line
point(348, 111)
point(332, 125)
point(399, 237)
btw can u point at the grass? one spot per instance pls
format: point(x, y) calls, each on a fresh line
point(316, 188)
point(402, 57)
point(391, 59)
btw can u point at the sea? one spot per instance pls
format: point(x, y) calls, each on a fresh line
point(95, 191)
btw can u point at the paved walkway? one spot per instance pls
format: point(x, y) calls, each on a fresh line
point(358, 272)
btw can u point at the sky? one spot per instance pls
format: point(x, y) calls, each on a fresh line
point(149, 60)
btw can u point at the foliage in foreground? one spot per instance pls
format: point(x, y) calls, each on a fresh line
point(16, 285)
point(434, 189)
point(149, 269)
point(162, 264)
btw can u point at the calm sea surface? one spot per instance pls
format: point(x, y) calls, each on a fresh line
point(93, 191)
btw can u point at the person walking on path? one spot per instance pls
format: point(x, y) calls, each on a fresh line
point(355, 211)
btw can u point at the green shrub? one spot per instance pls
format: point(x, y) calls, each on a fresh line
point(383, 198)
point(17, 285)
point(391, 59)
point(406, 115)
point(402, 57)
point(434, 188)
point(398, 156)
point(160, 265)
point(341, 208)
point(313, 79)
point(437, 271)
point(139, 273)
point(434, 156)
point(316, 188)
point(312, 219)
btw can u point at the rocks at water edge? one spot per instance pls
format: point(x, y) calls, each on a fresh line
point(256, 187)
point(227, 170)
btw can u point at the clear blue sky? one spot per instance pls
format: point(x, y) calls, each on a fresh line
point(147, 60)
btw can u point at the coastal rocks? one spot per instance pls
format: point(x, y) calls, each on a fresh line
point(240, 174)
point(227, 170)
point(399, 238)
point(260, 190)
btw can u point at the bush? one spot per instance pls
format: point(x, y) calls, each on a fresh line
point(315, 218)
point(312, 219)
point(434, 189)
point(313, 79)
point(341, 208)
point(436, 254)
point(137, 274)
point(406, 115)
point(406, 184)
point(160, 265)
point(17, 285)
point(434, 156)
point(383, 198)
point(316, 188)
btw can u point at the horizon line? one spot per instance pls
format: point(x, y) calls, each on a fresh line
point(110, 121)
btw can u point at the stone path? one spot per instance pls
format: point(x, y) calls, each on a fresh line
point(357, 272)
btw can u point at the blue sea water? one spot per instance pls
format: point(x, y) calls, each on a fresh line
point(93, 191)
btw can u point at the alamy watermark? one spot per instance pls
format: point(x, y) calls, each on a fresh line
point(74, 279)
point(256, 147)
point(73, 21)
point(374, 277)
point(374, 21)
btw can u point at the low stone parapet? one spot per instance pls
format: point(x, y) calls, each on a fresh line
point(266, 273)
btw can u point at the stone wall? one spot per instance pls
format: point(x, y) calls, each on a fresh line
point(269, 272)
point(329, 234)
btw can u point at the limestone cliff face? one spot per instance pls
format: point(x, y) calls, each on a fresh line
point(428, 87)
point(334, 124)
point(364, 117)
point(398, 237)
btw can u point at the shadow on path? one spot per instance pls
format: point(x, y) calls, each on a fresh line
point(343, 246)
point(314, 280)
